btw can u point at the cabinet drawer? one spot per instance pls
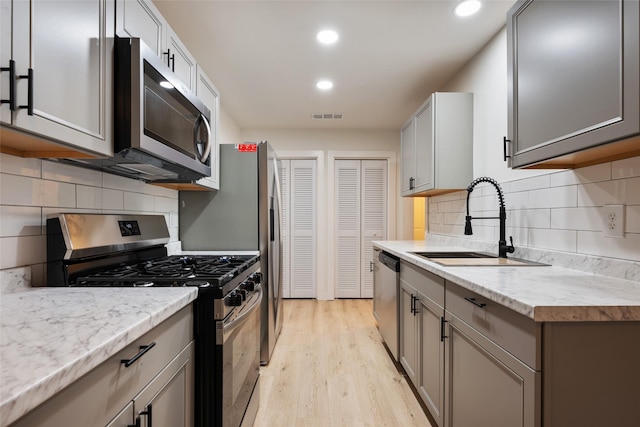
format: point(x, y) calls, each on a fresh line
point(98, 396)
point(515, 333)
point(427, 283)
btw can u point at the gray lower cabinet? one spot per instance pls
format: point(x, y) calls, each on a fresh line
point(421, 341)
point(485, 384)
point(573, 81)
point(158, 384)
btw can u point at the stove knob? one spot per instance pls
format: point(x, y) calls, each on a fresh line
point(243, 293)
point(234, 299)
point(249, 285)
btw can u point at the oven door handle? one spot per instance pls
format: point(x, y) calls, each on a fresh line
point(229, 328)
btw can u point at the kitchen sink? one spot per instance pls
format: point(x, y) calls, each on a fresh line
point(455, 255)
point(474, 259)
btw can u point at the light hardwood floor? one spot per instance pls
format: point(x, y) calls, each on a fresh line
point(329, 368)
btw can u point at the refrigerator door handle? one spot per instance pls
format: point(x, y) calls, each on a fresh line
point(271, 224)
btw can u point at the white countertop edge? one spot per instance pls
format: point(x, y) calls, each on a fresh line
point(20, 402)
point(556, 311)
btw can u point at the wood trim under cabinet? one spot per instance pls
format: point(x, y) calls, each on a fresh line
point(22, 144)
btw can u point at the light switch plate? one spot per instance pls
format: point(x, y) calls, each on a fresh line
point(613, 220)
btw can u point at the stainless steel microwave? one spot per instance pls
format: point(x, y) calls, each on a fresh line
point(162, 130)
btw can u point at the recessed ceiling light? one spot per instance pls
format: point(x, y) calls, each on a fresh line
point(324, 84)
point(467, 7)
point(327, 37)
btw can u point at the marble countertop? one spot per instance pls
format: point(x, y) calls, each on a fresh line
point(542, 293)
point(50, 337)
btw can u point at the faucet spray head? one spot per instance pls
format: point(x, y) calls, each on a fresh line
point(467, 226)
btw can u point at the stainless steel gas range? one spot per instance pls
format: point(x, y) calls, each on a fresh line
point(130, 251)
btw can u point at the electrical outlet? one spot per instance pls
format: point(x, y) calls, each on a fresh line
point(613, 224)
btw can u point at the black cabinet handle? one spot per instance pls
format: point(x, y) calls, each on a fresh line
point(476, 303)
point(412, 184)
point(413, 310)
point(137, 424)
point(29, 77)
point(171, 60)
point(148, 413)
point(442, 335)
point(12, 85)
point(143, 350)
point(504, 147)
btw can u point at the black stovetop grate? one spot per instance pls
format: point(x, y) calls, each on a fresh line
point(174, 270)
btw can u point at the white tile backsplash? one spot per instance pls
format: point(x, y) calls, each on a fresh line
point(595, 173)
point(586, 218)
point(593, 243)
point(20, 166)
point(626, 168)
point(20, 221)
point(20, 190)
point(559, 213)
point(32, 189)
point(555, 197)
point(58, 194)
point(56, 171)
point(557, 240)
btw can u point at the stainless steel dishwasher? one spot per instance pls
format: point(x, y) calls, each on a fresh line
point(386, 287)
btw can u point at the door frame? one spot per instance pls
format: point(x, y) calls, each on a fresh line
point(391, 158)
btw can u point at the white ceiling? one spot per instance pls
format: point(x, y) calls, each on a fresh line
point(264, 59)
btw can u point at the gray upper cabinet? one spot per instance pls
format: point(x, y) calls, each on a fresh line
point(140, 18)
point(573, 82)
point(437, 145)
point(207, 92)
point(62, 55)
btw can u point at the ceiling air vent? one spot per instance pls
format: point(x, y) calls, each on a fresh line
point(327, 116)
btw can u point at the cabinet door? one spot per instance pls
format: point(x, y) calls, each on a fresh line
point(168, 399)
point(207, 93)
point(431, 381)
point(408, 147)
point(485, 386)
point(573, 76)
point(124, 418)
point(180, 60)
point(5, 57)
point(140, 18)
point(67, 46)
point(408, 353)
point(424, 147)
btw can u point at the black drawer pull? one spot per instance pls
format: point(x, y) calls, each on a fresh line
point(143, 350)
point(476, 303)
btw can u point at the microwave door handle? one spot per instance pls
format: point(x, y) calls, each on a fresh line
point(207, 142)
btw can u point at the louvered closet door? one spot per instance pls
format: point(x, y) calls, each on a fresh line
point(374, 217)
point(298, 188)
point(303, 229)
point(284, 232)
point(361, 200)
point(347, 255)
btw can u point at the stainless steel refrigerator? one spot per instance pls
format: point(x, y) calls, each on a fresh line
point(244, 214)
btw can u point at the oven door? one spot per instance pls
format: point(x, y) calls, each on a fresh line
point(238, 343)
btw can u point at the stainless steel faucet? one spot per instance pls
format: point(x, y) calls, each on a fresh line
point(503, 248)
